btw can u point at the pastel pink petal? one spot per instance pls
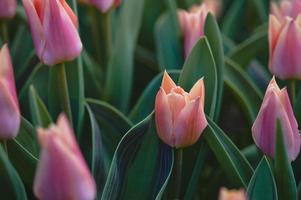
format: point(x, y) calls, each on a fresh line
point(198, 90)
point(35, 26)
point(103, 5)
point(163, 117)
point(167, 83)
point(60, 175)
point(8, 8)
point(274, 31)
point(190, 123)
point(70, 12)
point(62, 39)
point(176, 103)
point(285, 61)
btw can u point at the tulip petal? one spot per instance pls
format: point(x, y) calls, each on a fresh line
point(198, 90)
point(274, 31)
point(163, 117)
point(190, 123)
point(103, 5)
point(167, 83)
point(176, 103)
point(7, 8)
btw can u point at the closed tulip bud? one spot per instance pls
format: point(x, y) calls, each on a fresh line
point(62, 172)
point(276, 106)
point(192, 23)
point(102, 5)
point(225, 194)
point(285, 40)
point(9, 113)
point(180, 117)
point(8, 8)
point(53, 27)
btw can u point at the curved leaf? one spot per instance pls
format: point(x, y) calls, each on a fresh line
point(141, 165)
point(262, 185)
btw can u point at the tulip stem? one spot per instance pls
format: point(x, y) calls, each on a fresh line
point(93, 13)
point(63, 91)
point(107, 36)
point(4, 32)
point(292, 90)
point(4, 145)
point(178, 172)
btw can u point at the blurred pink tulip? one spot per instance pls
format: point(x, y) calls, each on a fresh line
point(9, 107)
point(192, 23)
point(285, 40)
point(225, 194)
point(54, 30)
point(180, 117)
point(8, 8)
point(276, 106)
point(102, 5)
point(62, 172)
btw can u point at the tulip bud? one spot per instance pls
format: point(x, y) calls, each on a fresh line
point(8, 8)
point(180, 117)
point(192, 23)
point(62, 172)
point(226, 194)
point(285, 40)
point(102, 5)
point(9, 113)
point(53, 27)
point(276, 106)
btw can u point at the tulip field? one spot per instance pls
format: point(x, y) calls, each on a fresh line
point(150, 99)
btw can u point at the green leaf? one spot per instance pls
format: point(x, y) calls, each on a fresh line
point(118, 85)
point(285, 180)
point(232, 161)
point(214, 37)
point(167, 37)
point(244, 52)
point(146, 102)
point(141, 166)
point(11, 186)
point(108, 127)
point(262, 185)
point(39, 113)
point(200, 63)
point(244, 88)
point(23, 152)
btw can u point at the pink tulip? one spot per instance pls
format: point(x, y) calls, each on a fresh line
point(180, 117)
point(9, 113)
point(285, 40)
point(192, 23)
point(276, 106)
point(8, 8)
point(54, 30)
point(62, 172)
point(102, 5)
point(226, 194)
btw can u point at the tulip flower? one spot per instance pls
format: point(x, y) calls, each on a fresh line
point(8, 8)
point(9, 113)
point(53, 27)
point(285, 40)
point(62, 172)
point(226, 194)
point(276, 106)
point(102, 5)
point(192, 23)
point(179, 115)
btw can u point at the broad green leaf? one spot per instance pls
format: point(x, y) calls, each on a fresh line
point(244, 52)
point(11, 186)
point(232, 161)
point(244, 88)
point(146, 102)
point(167, 39)
point(23, 152)
point(200, 63)
point(284, 175)
point(262, 7)
point(262, 185)
point(39, 113)
point(118, 85)
point(214, 37)
point(141, 166)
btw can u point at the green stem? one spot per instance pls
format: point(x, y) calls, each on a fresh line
point(178, 172)
point(63, 91)
point(107, 36)
point(95, 32)
point(292, 91)
point(4, 32)
point(4, 145)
